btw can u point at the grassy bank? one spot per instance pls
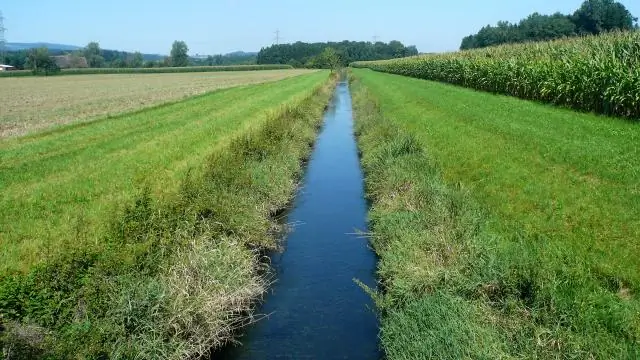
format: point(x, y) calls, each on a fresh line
point(505, 228)
point(594, 73)
point(149, 246)
point(164, 70)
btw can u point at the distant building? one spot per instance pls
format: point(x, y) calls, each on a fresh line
point(70, 61)
point(7, 67)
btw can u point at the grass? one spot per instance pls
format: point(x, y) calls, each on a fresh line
point(79, 172)
point(506, 228)
point(147, 227)
point(37, 103)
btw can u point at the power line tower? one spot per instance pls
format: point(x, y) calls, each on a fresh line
point(375, 38)
point(2, 39)
point(277, 38)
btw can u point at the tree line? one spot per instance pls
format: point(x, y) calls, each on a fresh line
point(40, 59)
point(299, 54)
point(593, 17)
point(331, 54)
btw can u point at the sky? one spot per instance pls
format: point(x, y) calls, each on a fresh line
point(212, 27)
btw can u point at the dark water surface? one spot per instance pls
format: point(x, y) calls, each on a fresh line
point(316, 310)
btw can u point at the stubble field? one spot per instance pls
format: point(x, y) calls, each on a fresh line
point(36, 103)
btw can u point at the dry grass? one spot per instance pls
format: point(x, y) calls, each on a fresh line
point(36, 103)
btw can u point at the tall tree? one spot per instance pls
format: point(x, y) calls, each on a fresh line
point(93, 54)
point(179, 54)
point(596, 16)
point(593, 17)
point(40, 62)
point(328, 59)
point(137, 60)
point(546, 27)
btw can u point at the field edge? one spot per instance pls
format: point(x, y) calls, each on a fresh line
point(451, 285)
point(155, 301)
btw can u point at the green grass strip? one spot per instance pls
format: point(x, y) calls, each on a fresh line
point(505, 228)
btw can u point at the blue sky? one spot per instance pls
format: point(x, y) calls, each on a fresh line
point(211, 27)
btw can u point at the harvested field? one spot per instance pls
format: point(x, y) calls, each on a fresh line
point(36, 103)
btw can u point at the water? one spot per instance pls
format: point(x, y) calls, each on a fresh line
point(316, 310)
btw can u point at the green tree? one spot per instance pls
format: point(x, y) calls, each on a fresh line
point(137, 60)
point(596, 16)
point(118, 63)
point(179, 54)
point(328, 59)
point(39, 61)
point(93, 54)
point(295, 63)
point(347, 51)
point(593, 17)
point(17, 59)
point(546, 27)
point(397, 49)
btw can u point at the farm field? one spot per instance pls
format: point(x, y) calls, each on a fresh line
point(36, 103)
point(76, 172)
point(505, 228)
point(158, 70)
point(598, 74)
point(149, 217)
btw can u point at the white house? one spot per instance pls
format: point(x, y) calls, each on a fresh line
point(6, 67)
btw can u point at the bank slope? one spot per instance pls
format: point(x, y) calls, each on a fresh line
point(505, 228)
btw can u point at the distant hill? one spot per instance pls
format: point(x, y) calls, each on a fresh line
point(50, 46)
point(116, 58)
point(242, 53)
point(61, 48)
point(147, 57)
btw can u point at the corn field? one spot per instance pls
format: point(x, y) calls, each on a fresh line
point(594, 73)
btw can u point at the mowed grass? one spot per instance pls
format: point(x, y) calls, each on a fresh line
point(60, 186)
point(506, 228)
point(35, 103)
point(175, 269)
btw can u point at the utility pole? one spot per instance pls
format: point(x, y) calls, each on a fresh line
point(277, 37)
point(2, 39)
